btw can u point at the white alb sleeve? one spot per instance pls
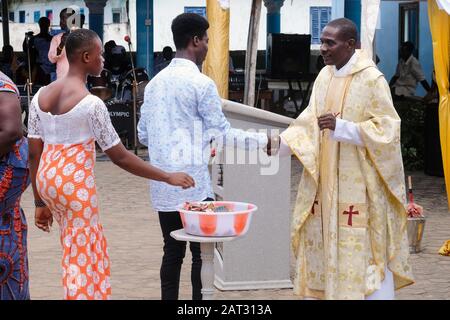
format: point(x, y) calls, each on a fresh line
point(347, 131)
point(285, 150)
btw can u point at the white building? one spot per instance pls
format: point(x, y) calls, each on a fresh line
point(297, 16)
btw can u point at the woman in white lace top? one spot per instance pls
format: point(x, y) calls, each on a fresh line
point(65, 121)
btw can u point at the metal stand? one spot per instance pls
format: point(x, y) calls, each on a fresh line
point(207, 245)
point(29, 85)
point(294, 87)
point(135, 143)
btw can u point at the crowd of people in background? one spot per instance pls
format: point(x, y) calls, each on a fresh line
point(45, 58)
point(39, 56)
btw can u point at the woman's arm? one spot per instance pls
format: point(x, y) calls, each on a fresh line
point(54, 51)
point(10, 122)
point(107, 138)
point(126, 160)
point(42, 216)
point(35, 147)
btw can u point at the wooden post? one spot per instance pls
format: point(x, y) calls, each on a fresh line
point(251, 54)
point(5, 22)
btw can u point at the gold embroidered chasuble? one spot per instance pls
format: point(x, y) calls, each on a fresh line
point(349, 222)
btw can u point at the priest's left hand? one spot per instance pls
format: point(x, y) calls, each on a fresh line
point(327, 121)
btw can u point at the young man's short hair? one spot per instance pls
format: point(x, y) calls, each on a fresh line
point(186, 26)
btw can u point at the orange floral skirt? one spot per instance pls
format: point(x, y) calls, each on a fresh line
point(65, 181)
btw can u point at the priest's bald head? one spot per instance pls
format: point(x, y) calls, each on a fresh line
point(339, 38)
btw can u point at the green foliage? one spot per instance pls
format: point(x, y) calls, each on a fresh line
point(412, 114)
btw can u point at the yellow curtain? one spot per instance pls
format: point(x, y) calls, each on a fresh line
point(440, 31)
point(216, 65)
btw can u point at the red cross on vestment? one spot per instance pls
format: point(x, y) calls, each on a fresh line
point(312, 210)
point(350, 215)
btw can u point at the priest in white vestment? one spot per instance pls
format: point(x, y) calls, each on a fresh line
point(349, 223)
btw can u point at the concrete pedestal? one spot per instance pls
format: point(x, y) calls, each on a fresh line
point(262, 259)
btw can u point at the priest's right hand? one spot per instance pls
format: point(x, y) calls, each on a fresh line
point(327, 121)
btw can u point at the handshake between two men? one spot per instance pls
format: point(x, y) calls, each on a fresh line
point(325, 121)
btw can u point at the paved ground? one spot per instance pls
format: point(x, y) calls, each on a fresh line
point(135, 243)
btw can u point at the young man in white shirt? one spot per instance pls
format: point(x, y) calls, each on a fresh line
point(409, 72)
point(181, 114)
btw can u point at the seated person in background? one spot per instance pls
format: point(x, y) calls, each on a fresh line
point(120, 63)
point(408, 74)
point(8, 62)
point(109, 46)
point(164, 59)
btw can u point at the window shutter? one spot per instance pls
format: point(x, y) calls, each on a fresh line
point(315, 25)
point(325, 17)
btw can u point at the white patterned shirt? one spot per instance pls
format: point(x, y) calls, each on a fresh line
point(409, 73)
point(181, 114)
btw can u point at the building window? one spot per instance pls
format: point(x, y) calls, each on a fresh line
point(21, 16)
point(116, 15)
point(320, 16)
point(198, 10)
point(37, 16)
point(409, 25)
point(49, 14)
point(11, 16)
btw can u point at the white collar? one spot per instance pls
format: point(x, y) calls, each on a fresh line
point(184, 62)
point(346, 69)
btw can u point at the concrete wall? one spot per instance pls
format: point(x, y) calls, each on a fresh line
point(338, 9)
point(426, 45)
point(387, 41)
